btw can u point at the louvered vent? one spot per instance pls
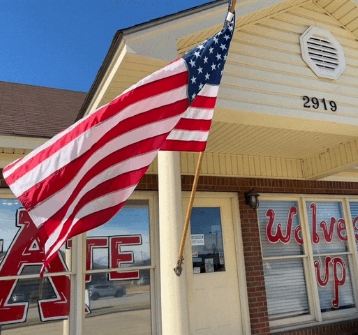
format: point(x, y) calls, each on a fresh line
point(322, 53)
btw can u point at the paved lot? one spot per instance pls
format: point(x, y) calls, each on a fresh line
point(129, 314)
point(131, 322)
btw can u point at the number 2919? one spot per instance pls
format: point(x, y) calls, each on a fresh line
point(317, 103)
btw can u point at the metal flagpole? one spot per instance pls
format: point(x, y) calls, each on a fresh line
point(178, 269)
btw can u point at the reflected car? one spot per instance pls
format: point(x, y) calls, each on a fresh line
point(105, 290)
point(143, 280)
point(18, 297)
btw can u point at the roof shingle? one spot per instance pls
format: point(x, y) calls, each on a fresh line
point(37, 111)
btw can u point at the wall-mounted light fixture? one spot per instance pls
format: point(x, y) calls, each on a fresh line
point(252, 199)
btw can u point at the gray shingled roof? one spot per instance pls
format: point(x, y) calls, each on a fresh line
point(36, 111)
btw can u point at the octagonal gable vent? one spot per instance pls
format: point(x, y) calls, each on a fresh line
point(322, 53)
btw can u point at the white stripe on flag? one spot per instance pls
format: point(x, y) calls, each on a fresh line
point(188, 135)
point(198, 113)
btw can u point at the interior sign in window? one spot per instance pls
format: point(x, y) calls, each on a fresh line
point(206, 240)
point(197, 239)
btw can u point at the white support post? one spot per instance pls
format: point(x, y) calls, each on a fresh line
point(77, 305)
point(174, 298)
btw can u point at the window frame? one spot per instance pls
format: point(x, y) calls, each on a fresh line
point(316, 317)
point(152, 199)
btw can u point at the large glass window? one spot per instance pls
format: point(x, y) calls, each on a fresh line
point(26, 301)
point(330, 254)
point(307, 258)
point(119, 278)
point(284, 259)
point(120, 272)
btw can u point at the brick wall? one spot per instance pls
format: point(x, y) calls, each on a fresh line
point(2, 181)
point(251, 239)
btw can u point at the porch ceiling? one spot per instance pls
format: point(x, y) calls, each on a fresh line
point(240, 139)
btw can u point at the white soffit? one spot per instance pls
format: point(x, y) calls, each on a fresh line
point(322, 53)
point(158, 39)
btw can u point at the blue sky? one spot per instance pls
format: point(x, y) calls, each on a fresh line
point(62, 43)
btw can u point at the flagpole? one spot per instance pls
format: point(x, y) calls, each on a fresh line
point(178, 268)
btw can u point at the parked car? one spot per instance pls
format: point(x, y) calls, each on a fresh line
point(105, 290)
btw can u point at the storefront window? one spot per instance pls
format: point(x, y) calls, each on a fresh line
point(118, 280)
point(284, 259)
point(354, 216)
point(120, 300)
point(330, 250)
point(306, 258)
point(25, 299)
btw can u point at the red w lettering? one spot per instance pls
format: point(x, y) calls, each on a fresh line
point(328, 235)
point(278, 236)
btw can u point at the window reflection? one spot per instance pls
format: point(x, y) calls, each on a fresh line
point(120, 302)
point(33, 304)
point(206, 240)
point(8, 229)
point(131, 223)
point(20, 241)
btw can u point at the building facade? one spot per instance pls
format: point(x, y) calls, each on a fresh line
point(285, 125)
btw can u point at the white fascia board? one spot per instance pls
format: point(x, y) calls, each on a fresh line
point(108, 77)
point(17, 142)
point(158, 39)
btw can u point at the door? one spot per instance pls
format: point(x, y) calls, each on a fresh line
point(212, 273)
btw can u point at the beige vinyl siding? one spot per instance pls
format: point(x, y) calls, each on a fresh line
point(266, 75)
point(231, 165)
point(265, 66)
point(133, 68)
point(248, 166)
point(260, 127)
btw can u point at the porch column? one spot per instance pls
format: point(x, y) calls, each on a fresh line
point(174, 299)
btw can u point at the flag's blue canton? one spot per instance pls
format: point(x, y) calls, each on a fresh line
point(206, 61)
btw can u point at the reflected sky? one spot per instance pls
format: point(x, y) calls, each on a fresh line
point(130, 220)
point(8, 229)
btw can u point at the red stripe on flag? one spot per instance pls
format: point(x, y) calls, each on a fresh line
point(193, 124)
point(145, 146)
point(193, 146)
point(105, 215)
point(57, 180)
point(110, 186)
point(202, 101)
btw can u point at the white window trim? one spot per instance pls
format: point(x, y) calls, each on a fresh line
point(316, 318)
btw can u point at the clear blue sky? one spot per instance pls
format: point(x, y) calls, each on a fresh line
point(62, 43)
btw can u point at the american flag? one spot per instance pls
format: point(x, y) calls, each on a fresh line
point(82, 177)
